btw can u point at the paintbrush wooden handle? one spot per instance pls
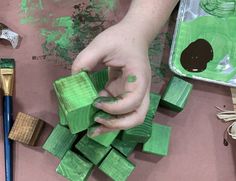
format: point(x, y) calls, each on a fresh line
point(7, 124)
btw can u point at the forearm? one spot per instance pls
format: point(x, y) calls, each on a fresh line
point(148, 17)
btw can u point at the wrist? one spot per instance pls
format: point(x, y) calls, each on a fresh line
point(135, 32)
point(142, 29)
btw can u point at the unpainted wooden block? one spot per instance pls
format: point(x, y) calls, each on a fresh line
point(74, 167)
point(26, 129)
point(176, 94)
point(116, 166)
point(59, 141)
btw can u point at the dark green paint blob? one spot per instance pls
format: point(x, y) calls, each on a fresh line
point(103, 115)
point(103, 99)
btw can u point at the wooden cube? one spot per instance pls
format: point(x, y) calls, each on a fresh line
point(141, 133)
point(116, 166)
point(99, 79)
point(76, 94)
point(124, 147)
point(92, 150)
point(59, 141)
point(158, 144)
point(176, 94)
point(74, 167)
point(26, 129)
point(105, 139)
point(62, 117)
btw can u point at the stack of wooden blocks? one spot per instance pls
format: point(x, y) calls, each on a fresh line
point(109, 151)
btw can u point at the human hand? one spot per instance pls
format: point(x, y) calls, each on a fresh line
point(125, 52)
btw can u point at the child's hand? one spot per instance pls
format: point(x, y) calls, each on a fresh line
point(125, 52)
point(124, 49)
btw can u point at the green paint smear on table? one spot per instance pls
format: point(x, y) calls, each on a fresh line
point(220, 33)
point(103, 4)
point(28, 6)
point(29, 9)
point(70, 35)
point(60, 38)
point(155, 54)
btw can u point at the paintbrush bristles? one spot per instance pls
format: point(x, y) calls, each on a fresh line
point(7, 63)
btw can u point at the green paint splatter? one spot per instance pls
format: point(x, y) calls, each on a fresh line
point(156, 53)
point(103, 5)
point(33, 20)
point(71, 35)
point(40, 4)
point(131, 78)
point(24, 6)
point(30, 8)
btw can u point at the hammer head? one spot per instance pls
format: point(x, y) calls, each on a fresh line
point(9, 35)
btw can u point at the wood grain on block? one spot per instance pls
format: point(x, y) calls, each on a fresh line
point(62, 117)
point(76, 94)
point(141, 133)
point(176, 94)
point(74, 167)
point(105, 139)
point(124, 147)
point(92, 150)
point(116, 166)
point(159, 142)
point(26, 129)
point(59, 141)
point(99, 79)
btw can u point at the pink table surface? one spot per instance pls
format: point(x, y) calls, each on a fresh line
point(196, 148)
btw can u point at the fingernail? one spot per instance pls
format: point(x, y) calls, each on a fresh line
point(94, 131)
point(103, 115)
point(102, 99)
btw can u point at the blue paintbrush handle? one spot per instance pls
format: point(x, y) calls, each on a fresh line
point(7, 124)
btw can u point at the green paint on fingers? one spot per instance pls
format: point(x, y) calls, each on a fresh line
point(131, 78)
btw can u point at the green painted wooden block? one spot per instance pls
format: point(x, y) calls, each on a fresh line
point(92, 150)
point(159, 142)
point(76, 94)
point(99, 79)
point(105, 139)
point(59, 141)
point(124, 147)
point(62, 117)
point(141, 133)
point(116, 166)
point(176, 94)
point(74, 167)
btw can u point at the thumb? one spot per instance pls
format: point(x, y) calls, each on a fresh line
point(87, 60)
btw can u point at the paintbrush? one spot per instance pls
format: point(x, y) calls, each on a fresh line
point(7, 67)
